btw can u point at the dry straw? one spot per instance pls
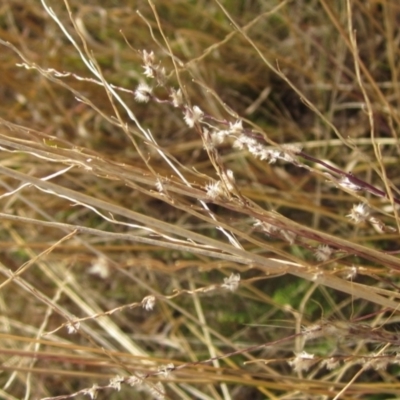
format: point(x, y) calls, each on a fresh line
point(168, 206)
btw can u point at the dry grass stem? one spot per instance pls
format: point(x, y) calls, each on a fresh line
point(199, 200)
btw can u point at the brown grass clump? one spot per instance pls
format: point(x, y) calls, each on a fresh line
point(199, 199)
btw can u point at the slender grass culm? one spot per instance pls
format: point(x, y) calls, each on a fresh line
point(199, 200)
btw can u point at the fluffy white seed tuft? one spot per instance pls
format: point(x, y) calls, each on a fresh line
point(302, 362)
point(143, 93)
point(323, 252)
point(192, 116)
point(231, 283)
point(148, 302)
point(359, 213)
